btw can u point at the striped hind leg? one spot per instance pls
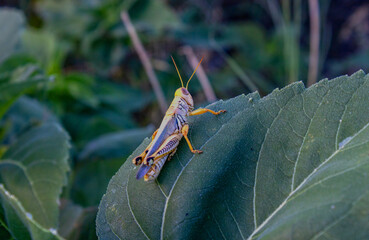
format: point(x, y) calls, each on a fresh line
point(168, 146)
point(155, 169)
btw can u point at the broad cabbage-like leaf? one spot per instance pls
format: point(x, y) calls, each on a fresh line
point(12, 23)
point(291, 165)
point(17, 80)
point(20, 222)
point(33, 171)
point(25, 113)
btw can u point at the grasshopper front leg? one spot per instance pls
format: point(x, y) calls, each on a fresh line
point(185, 132)
point(205, 110)
point(138, 160)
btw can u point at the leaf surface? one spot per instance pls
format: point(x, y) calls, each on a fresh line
point(13, 22)
point(17, 81)
point(34, 169)
point(292, 165)
point(20, 222)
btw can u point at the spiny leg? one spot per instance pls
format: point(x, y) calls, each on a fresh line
point(155, 169)
point(205, 110)
point(138, 160)
point(185, 132)
point(169, 145)
point(171, 154)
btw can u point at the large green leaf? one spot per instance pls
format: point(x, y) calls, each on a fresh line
point(16, 81)
point(292, 165)
point(114, 145)
point(99, 160)
point(34, 169)
point(102, 226)
point(20, 222)
point(12, 23)
point(25, 113)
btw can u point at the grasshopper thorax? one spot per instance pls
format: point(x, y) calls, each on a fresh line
point(185, 95)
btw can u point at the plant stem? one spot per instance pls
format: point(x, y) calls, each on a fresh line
point(145, 61)
point(275, 12)
point(297, 6)
point(234, 66)
point(204, 81)
point(314, 42)
point(287, 38)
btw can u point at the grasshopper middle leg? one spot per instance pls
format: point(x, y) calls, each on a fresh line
point(185, 132)
point(205, 110)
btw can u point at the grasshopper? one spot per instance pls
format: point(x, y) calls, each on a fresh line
point(165, 139)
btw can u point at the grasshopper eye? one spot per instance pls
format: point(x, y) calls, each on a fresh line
point(184, 91)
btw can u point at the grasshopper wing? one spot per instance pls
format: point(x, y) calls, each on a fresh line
point(142, 171)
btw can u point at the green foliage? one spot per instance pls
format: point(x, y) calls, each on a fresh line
point(291, 165)
point(19, 222)
point(73, 215)
point(77, 65)
point(114, 145)
point(10, 31)
point(146, 15)
point(33, 157)
point(97, 107)
point(44, 47)
point(99, 160)
point(35, 150)
point(33, 171)
point(17, 80)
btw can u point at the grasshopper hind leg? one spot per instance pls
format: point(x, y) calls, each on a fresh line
point(150, 173)
point(155, 169)
point(171, 154)
point(168, 146)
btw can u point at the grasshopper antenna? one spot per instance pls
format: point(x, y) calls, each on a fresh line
point(177, 70)
point(194, 71)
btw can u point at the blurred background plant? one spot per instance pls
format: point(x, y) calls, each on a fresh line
point(97, 87)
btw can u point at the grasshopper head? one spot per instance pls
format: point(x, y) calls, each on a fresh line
point(184, 94)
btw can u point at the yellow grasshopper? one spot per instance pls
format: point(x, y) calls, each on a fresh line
point(173, 127)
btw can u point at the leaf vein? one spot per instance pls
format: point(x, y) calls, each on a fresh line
point(130, 209)
point(304, 138)
point(19, 165)
point(344, 112)
point(339, 219)
point(179, 175)
point(301, 184)
point(257, 162)
point(234, 219)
